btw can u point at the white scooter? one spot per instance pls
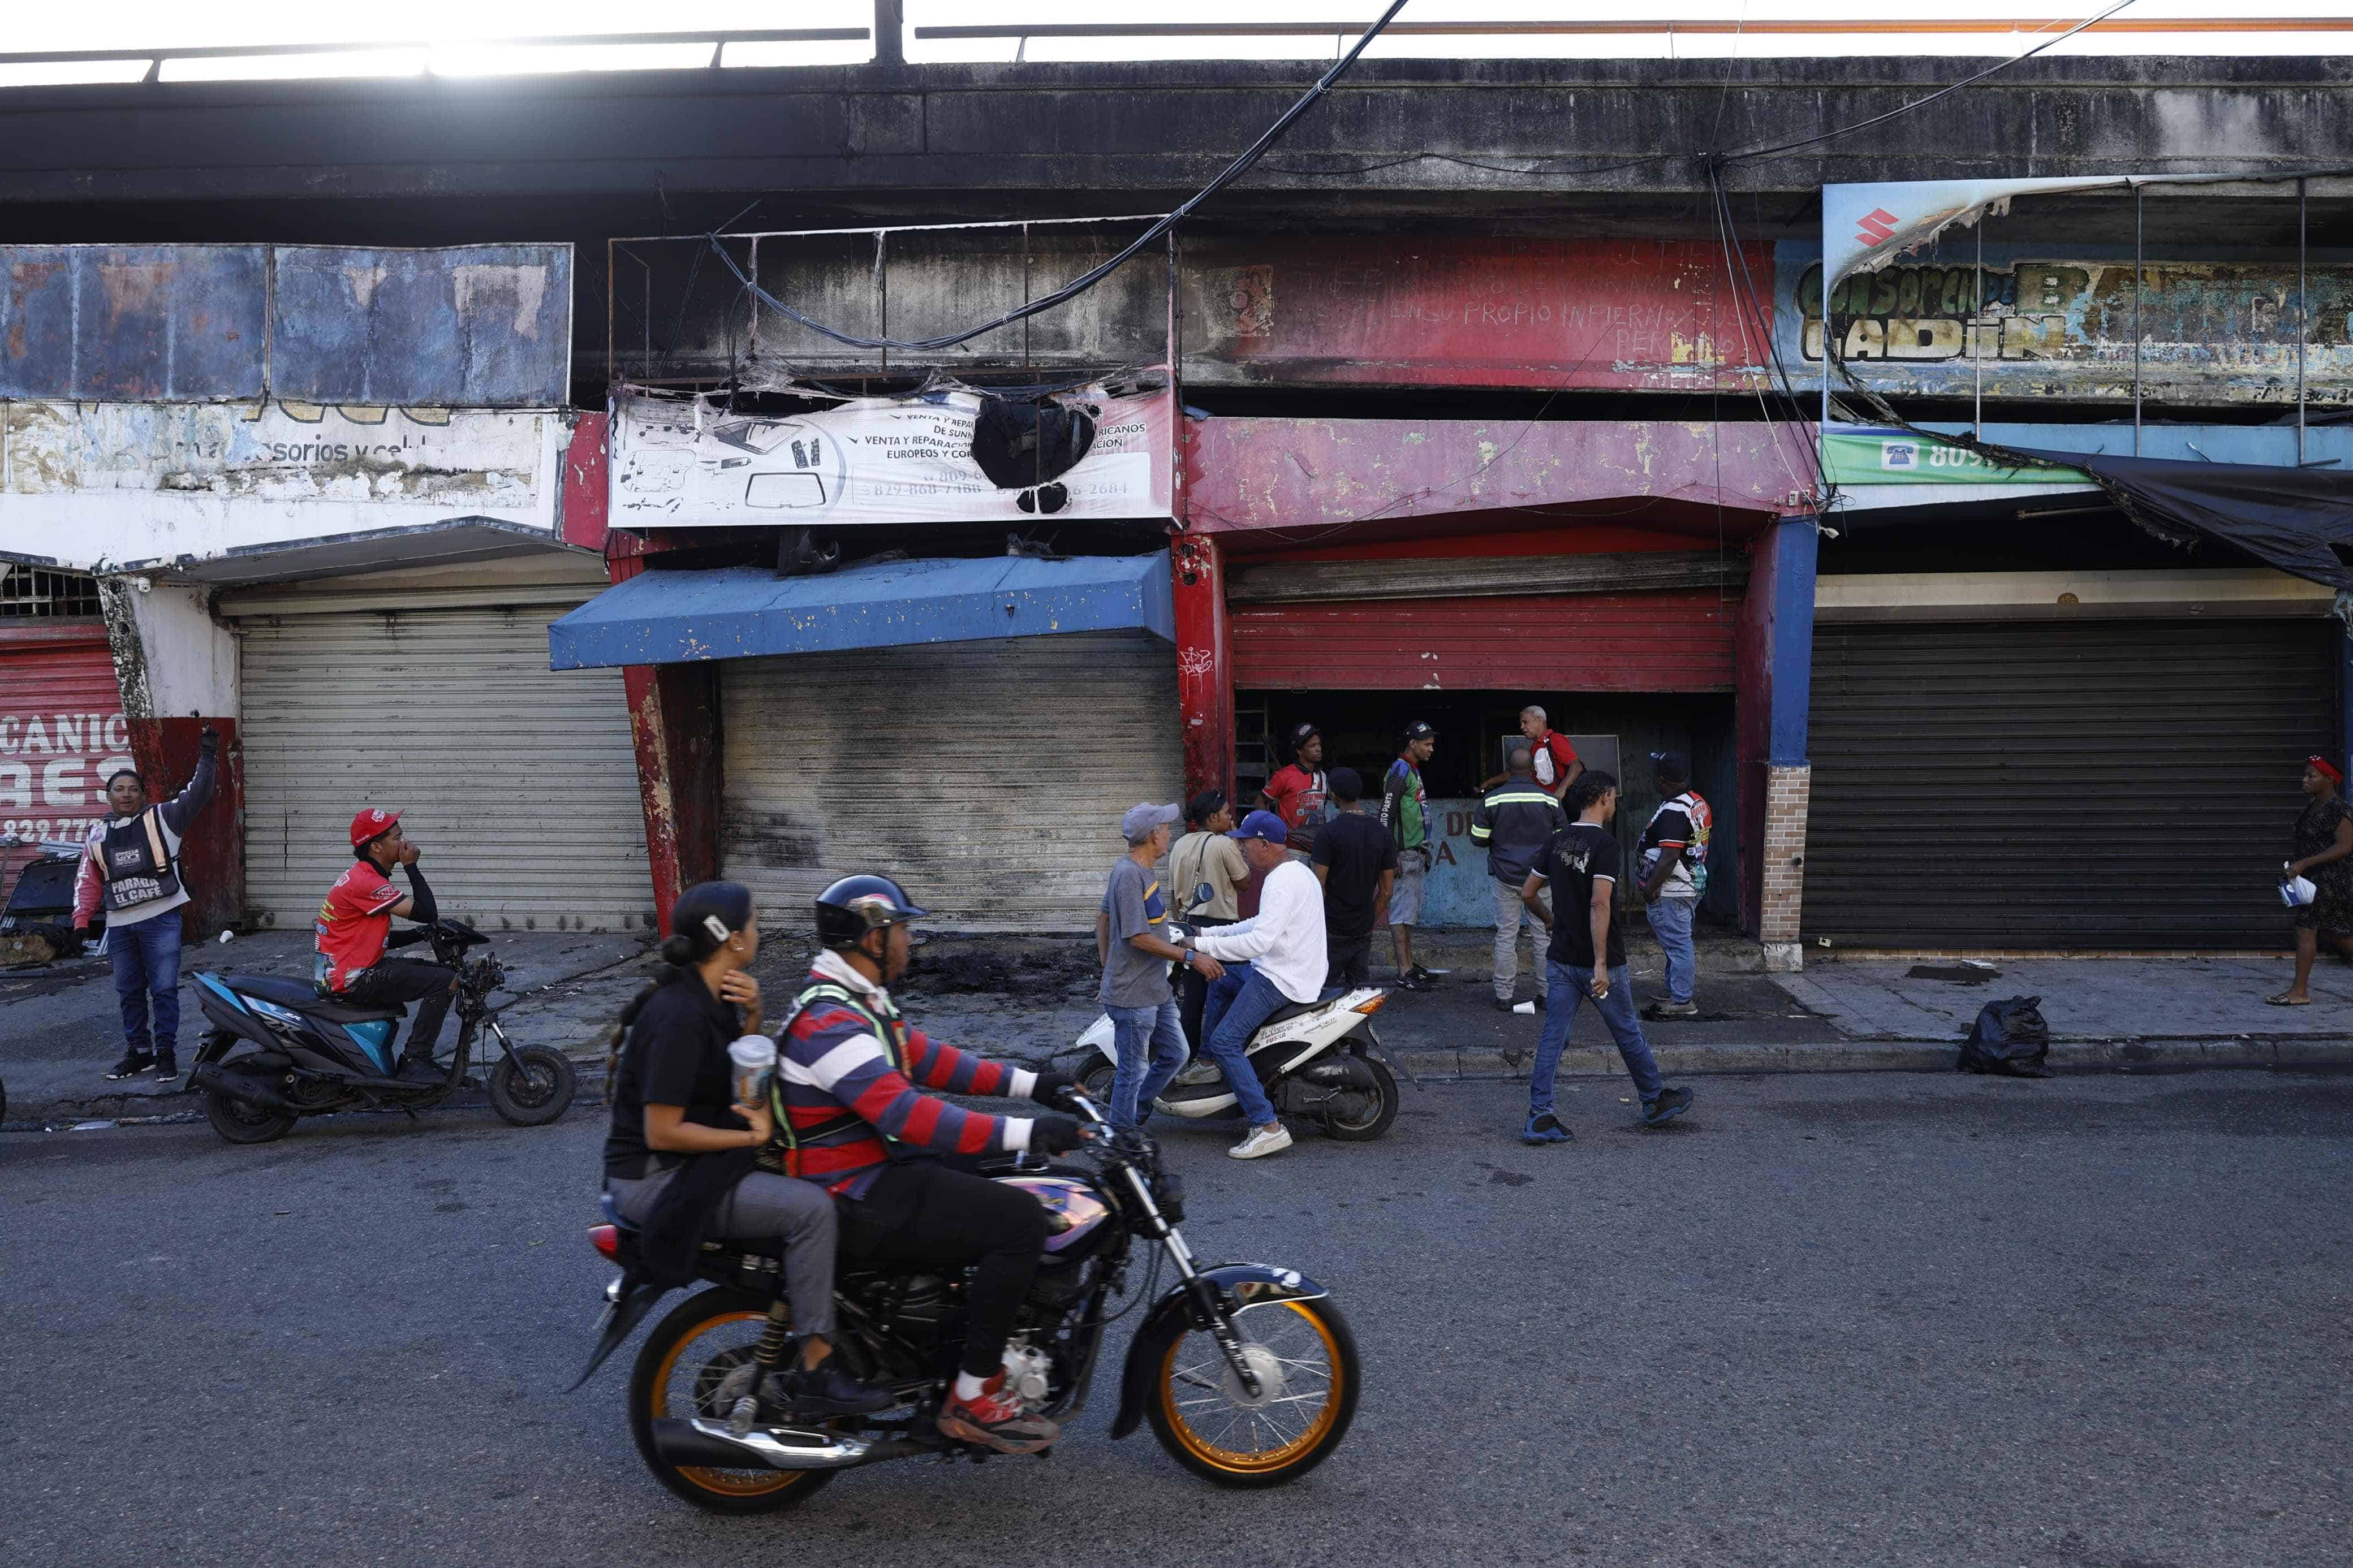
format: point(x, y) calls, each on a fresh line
point(1319, 1060)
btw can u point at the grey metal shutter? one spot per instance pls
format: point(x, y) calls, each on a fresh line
point(989, 777)
point(520, 780)
point(2123, 784)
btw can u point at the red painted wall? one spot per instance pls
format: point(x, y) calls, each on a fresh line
point(583, 500)
point(1205, 696)
point(211, 851)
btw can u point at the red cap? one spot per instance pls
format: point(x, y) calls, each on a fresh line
point(2326, 769)
point(370, 821)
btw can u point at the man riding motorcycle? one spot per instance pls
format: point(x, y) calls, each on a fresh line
point(355, 925)
point(855, 1122)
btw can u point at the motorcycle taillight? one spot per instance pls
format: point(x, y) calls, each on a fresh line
point(606, 1239)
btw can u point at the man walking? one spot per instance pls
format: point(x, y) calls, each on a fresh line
point(1405, 812)
point(1514, 823)
point(1273, 958)
point(355, 921)
point(1672, 856)
point(131, 864)
point(1356, 860)
point(1587, 958)
point(1147, 1028)
point(1299, 791)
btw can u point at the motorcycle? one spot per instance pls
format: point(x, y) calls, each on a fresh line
point(1318, 1060)
point(278, 1050)
point(1247, 1373)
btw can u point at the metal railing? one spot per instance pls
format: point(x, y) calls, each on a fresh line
point(42, 593)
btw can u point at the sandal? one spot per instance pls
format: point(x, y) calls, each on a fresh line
point(2284, 1000)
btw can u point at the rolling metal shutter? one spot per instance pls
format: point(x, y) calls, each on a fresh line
point(521, 782)
point(61, 732)
point(2098, 785)
point(989, 777)
point(1580, 642)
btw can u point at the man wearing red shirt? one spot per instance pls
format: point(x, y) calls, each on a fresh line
point(1555, 759)
point(354, 922)
point(1298, 793)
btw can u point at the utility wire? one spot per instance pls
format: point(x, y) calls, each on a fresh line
point(1086, 280)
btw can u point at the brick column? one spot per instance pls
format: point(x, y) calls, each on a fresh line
point(1775, 649)
point(1787, 788)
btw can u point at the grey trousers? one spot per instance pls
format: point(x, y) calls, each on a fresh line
point(1512, 917)
point(764, 1204)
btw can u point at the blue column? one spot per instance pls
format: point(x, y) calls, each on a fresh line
point(1790, 652)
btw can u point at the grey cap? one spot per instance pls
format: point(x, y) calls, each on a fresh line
point(1140, 820)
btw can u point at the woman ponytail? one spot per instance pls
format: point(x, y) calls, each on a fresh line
point(701, 921)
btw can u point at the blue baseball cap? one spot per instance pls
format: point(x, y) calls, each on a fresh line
point(1262, 825)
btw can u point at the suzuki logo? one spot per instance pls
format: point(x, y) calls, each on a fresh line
point(1874, 226)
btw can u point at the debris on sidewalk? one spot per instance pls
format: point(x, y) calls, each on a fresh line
point(2010, 1038)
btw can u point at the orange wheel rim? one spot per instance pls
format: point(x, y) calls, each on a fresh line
point(724, 1483)
point(1206, 1428)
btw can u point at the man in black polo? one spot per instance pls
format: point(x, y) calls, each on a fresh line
point(1356, 860)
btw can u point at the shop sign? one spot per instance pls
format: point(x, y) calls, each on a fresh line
point(1872, 457)
point(879, 460)
point(53, 770)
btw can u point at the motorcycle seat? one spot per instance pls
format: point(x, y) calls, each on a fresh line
point(303, 998)
point(1292, 1010)
point(759, 1246)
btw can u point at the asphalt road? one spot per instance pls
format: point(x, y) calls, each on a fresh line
point(1873, 1319)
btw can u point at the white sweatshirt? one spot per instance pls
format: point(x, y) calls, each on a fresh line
point(1284, 940)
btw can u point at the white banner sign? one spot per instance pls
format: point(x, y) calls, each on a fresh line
point(881, 460)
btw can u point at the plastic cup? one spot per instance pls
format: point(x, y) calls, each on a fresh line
point(752, 1057)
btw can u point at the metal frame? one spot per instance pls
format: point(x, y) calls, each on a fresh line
point(717, 38)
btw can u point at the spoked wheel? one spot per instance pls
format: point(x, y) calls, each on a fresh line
point(536, 1092)
point(1361, 1115)
point(241, 1122)
point(1306, 1360)
point(692, 1365)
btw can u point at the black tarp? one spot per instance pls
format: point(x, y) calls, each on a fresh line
point(2298, 520)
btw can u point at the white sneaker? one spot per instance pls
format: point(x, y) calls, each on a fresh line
point(1199, 1070)
point(1261, 1141)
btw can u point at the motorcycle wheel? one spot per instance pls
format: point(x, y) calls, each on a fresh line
point(1202, 1415)
point(701, 1339)
point(239, 1121)
point(536, 1093)
point(1375, 1112)
point(1095, 1082)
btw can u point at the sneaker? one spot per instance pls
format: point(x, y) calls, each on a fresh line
point(418, 1070)
point(995, 1420)
point(1545, 1128)
point(132, 1064)
point(1670, 1104)
point(1665, 1009)
point(168, 1067)
point(826, 1389)
point(1419, 976)
point(1505, 1004)
point(1260, 1143)
point(1199, 1070)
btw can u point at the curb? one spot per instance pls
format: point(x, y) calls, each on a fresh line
point(1893, 1056)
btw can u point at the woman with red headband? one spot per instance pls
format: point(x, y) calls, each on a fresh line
point(2323, 838)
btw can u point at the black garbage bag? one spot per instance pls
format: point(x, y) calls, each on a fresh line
point(2010, 1038)
point(1020, 446)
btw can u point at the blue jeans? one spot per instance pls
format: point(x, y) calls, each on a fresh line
point(1671, 923)
point(1564, 990)
point(1136, 1031)
point(1239, 1002)
point(146, 958)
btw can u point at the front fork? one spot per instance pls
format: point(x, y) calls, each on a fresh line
point(1206, 1307)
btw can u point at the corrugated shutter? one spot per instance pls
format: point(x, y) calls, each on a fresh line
point(521, 781)
point(1588, 642)
point(61, 732)
point(2088, 786)
point(989, 776)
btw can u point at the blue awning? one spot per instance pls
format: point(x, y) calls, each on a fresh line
point(745, 612)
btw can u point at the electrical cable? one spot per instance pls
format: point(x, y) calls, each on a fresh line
point(1088, 280)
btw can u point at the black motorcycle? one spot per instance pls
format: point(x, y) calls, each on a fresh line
point(278, 1050)
point(1248, 1373)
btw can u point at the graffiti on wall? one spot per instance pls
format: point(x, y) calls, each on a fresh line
point(2209, 332)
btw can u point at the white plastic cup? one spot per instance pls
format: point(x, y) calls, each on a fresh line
point(754, 1058)
point(1528, 1007)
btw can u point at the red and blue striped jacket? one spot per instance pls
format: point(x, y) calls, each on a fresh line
point(850, 1083)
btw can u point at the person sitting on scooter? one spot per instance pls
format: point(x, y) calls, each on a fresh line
point(1275, 958)
point(673, 1106)
point(354, 923)
point(855, 1121)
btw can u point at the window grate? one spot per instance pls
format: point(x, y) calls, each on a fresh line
point(38, 591)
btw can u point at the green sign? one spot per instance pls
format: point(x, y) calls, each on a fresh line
point(1900, 457)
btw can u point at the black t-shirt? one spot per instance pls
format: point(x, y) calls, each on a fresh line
point(1581, 855)
point(676, 1055)
point(1357, 849)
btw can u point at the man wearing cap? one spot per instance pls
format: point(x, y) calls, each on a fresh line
point(1405, 812)
point(1273, 958)
point(1148, 1029)
point(1297, 792)
point(1673, 859)
point(354, 922)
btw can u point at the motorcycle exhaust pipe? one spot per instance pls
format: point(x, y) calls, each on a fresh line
point(701, 1442)
point(238, 1086)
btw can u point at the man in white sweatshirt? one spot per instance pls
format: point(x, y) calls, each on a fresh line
point(1275, 958)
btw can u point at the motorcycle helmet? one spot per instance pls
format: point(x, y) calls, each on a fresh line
point(855, 905)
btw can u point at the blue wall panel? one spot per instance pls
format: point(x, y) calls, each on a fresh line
point(134, 322)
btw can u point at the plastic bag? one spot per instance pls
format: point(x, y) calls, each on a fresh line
point(2010, 1038)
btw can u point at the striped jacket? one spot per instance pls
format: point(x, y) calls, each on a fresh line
point(849, 1082)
